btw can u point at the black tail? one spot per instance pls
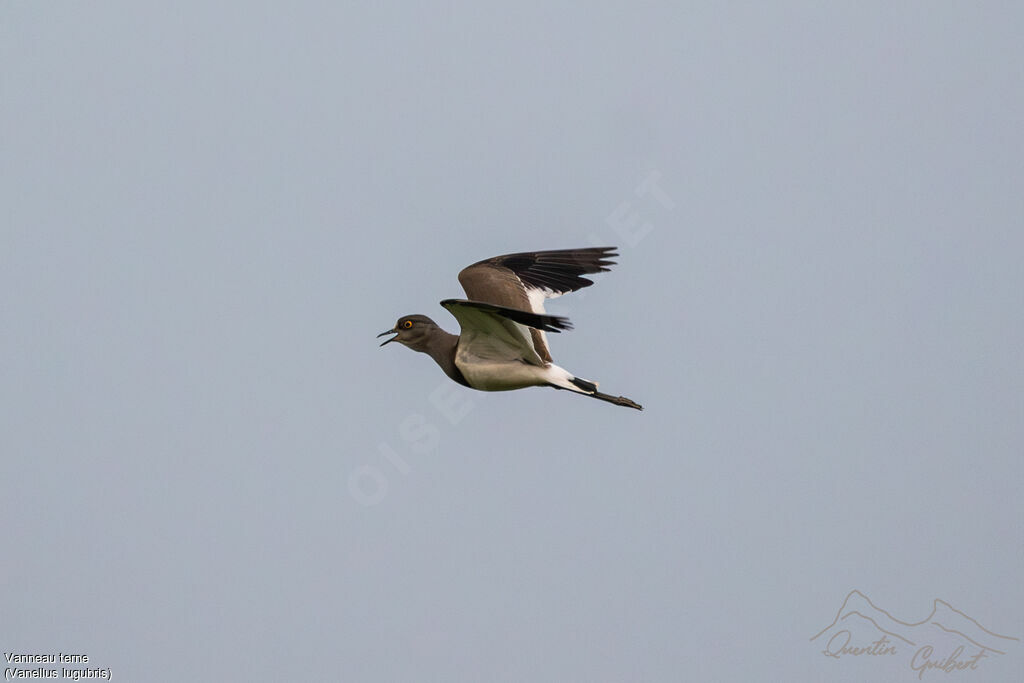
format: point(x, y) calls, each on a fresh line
point(590, 389)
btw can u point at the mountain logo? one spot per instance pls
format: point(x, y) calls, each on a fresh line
point(947, 640)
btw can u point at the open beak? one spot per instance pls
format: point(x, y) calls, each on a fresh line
point(387, 341)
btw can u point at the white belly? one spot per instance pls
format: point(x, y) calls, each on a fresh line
point(501, 375)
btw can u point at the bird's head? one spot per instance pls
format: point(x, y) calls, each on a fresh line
point(411, 330)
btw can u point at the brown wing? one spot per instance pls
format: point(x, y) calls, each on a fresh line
point(513, 279)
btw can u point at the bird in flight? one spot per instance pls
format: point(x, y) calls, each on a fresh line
point(502, 344)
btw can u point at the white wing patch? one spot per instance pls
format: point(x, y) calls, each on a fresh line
point(536, 295)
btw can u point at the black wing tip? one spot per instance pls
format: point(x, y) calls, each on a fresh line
point(558, 323)
point(597, 256)
point(560, 270)
point(540, 321)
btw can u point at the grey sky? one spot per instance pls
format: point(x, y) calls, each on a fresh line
point(210, 209)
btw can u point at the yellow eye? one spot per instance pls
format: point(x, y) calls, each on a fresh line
point(407, 324)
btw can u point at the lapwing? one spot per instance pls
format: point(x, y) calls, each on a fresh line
point(502, 344)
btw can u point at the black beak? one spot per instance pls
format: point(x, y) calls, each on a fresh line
point(388, 341)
